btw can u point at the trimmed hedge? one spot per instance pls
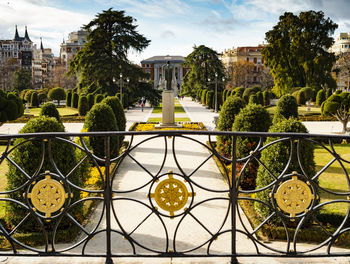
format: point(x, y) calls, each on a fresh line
point(117, 109)
point(34, 100)
point(69, 98)
point(90, 98)
point(49, 109)
point(98, 98)
point(321, 97)
point(252, 118)
point(286, 107)
point(228, 111)
point(101, 118)
point(57, 93)
point(28, 157)
point(83, 105)
point(209, 100)
point(75, 100)
point(266, 98)
point(276, 157)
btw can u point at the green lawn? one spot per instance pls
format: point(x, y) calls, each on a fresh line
point(178, 108)
point(159, 119)
point(64, 111)
point(333, 178)
point(3, 181)
point(302, 110)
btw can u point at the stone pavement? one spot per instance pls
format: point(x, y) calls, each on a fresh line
point(151, 233)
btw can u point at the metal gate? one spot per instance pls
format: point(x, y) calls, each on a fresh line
point(163, 196)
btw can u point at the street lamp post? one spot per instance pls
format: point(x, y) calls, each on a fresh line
point(121, 88)
point(216, 90)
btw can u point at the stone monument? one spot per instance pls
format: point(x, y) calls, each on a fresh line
point(168, 84)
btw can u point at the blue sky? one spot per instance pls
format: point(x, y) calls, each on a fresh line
point(173, 26)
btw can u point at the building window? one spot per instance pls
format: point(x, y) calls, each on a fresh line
point(255, 60)
point(15, 55)
point(247, 59)
point(346, 46)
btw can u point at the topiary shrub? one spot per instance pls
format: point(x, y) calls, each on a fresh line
point(28, 156)
point(275, 158)
point(49, 109)
point(266, 98)
point(69, 98)
point(224, 93)
point(14, 97)
point(101, 118)
point(228, 111)
point(252, 118)
point(75, 100)
point(83, 105)
point(98, 98)
point(11, 110)
point(209, 100)
point(90, 98)
point(204, 96)
point(28, 96)
point(253, 99)
point(238, 91)
point(117, 109)
point(42, 97)
point(260, 98)
point(301, 97)
point(247, 93)
point(321, 97)
point(57, 93)
point(286, 107)
point(329, 92)
point(34, 100)
point(309, 94)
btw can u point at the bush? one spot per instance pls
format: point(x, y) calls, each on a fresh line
point(83, 105)
point(252, 118)
point(203, 96)
point(329, 92)
point(42, 97)
point(69, 98)
point(49, 109)
point(14, 97)
point(11, 110)
point(34, 100)
point(301, 97)
point(286, 107)
point(321, 97)
point(309, 94)
point(57, 93)
point(90, 98)
point(118, 111)
point(28, 96)
point(238, 91)
point(253, 99)
point(224, 93)
point(98, 98)
point(28, 156)
point(247, 93)
point(260, 98)
point(266, 98)
point(228, 111)
point(276, 157)
point(209, 101)
point(101, 118)
point(75, 100)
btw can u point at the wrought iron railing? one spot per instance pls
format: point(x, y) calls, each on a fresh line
point(163, 196)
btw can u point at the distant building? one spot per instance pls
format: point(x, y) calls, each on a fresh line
point(153, 66)
point(251, 54)
point(43, 64)
point(76, 41)
point(19, 48)
point(341, 44)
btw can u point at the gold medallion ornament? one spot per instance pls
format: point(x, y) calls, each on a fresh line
point(294, 196)
point(48, 196)
point(171, 194)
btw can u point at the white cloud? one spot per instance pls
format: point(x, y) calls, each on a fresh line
point(42, 20)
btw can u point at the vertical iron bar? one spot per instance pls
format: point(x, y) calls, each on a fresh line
point(233, 201)
point(107, 200)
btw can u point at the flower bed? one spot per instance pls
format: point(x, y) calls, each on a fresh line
point(148, 126)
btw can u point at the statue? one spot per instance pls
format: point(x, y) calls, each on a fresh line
point(168, 74)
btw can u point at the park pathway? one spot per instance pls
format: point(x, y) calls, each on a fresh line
point(150, 233)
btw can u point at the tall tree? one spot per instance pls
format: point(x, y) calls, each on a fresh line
point(22, 80)
point(111, 35)
point(297, 51)
point(203, 63)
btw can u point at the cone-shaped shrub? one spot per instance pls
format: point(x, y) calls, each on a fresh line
point(83, 105)
point(286, 107)
point(49, 109)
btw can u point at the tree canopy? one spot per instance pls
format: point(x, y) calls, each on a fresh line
point(111, 35)
point(203, 63)
point(22, 79)
point(297, 51)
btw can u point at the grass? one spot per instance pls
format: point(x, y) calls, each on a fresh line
point(302, 110)
point(159, 119)
point(63, 111)
point(333, 179)
point(3, 181)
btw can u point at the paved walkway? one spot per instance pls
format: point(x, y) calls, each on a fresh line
point(151, 233)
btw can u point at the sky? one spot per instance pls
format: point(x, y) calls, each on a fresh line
point(173, 26)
